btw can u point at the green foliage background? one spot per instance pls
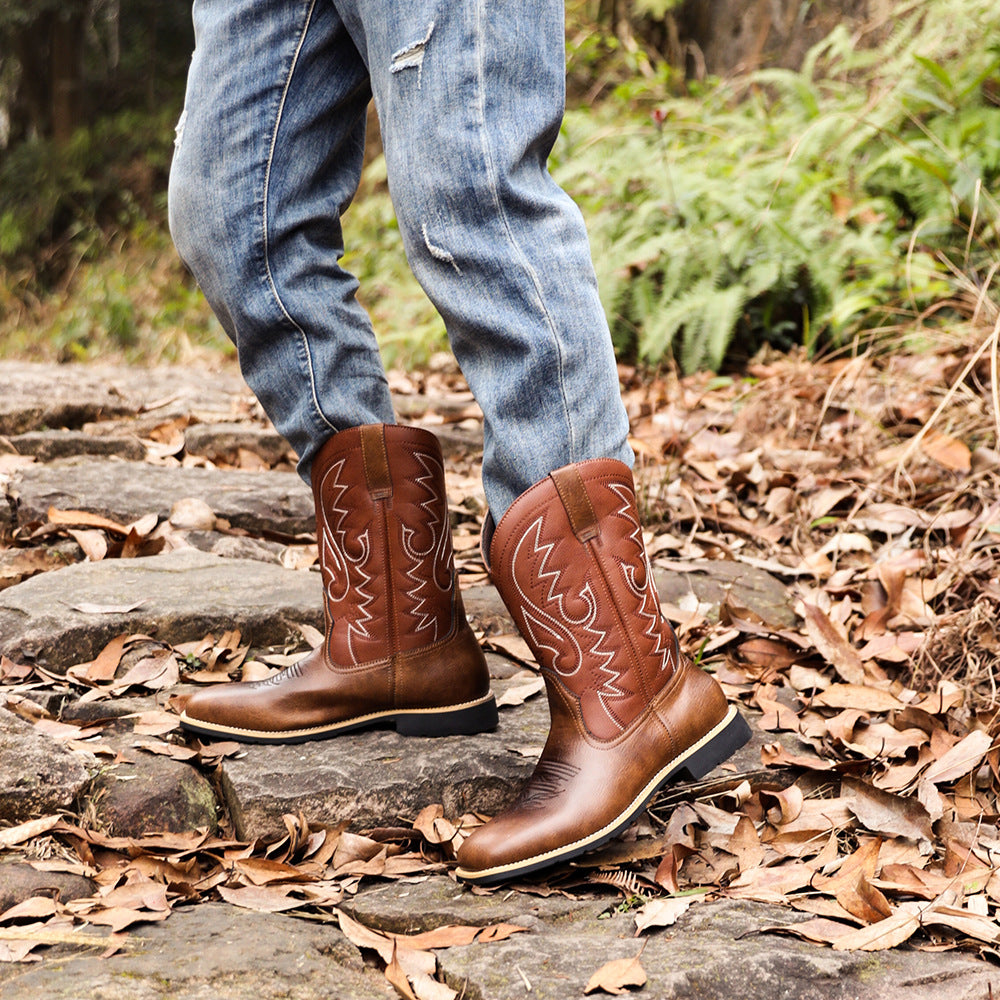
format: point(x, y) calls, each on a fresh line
point(854, 198)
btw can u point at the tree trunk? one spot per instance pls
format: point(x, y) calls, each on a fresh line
point(66, 65)
point(735, 36)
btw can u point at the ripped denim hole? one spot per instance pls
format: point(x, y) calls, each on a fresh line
point(439, 253)
point(179, 130)
point(412, 56)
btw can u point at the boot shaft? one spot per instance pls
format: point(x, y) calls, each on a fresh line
point(384, 541)
point(569, 560)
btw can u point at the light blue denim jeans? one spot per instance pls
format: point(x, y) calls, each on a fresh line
point(469, 95)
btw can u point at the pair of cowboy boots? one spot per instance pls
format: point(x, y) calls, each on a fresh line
point(628, 711)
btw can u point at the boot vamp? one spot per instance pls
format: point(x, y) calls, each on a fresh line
point(584, 788)
point(307, 694)
point(577, 795)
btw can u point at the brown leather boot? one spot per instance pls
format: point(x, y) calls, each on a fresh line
point(629, 711)
point(398, 648)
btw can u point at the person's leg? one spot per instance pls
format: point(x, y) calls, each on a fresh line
point(470, 98)
point(268, 157)
point(269, 152)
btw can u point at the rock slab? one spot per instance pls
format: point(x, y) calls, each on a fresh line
point(68, 615)
point(38, 776)
point(258, 502)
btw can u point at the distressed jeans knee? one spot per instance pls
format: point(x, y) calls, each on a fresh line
point(470, 100)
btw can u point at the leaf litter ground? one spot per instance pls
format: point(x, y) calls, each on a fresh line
point(869, 486)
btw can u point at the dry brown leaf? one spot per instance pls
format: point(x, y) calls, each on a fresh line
point(888, 933)
point(819, 930)
point(88, 608)
point(745, 845)
point(457, 935)
point(859, 696)
point(617, 976)
point(120, 917)
point(433, 826)
point(963, 757)
point(263, 898)
point(26, 831)
point(94, 543)
point(35, 907)
point(833, 646)
point(155, 722)
point(105, 664)
point(662, 912)
point(770, 885)
point(862, 900)
point(85, 519)
point(263, 871)
point(969, 924)
point(887, 814)
point(947, 450)
point(514, 647)
point(155, 672)
point(518, 694)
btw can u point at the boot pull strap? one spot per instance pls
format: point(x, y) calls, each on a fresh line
point(376, 461)
point(575, 499)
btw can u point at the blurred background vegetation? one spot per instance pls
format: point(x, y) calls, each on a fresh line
point(754, 175)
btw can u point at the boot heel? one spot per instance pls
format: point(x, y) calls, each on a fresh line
point(720, 748)
point(479, 718)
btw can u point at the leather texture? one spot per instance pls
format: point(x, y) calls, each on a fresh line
point(628, 710)
point(397, 645)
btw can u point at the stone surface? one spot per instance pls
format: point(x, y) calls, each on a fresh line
point(38, 776)
point(153, 794)
point(714, 582)
point(49, 445)
point(178, 596)
point(424, 904)
point(19, 880)
point(223, 442)
point(377, 777)
point(258, 502)
point(37, 396)
point(714, 951)
point(207, 952)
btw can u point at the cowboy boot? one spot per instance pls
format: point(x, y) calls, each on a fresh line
point(628, 711)
point(397, 648)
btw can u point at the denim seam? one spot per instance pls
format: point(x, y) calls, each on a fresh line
point(264, 209)
point(491, 174)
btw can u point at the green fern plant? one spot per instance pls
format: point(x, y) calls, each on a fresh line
point(794, 206)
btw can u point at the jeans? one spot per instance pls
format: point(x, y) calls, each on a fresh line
point(469, 95)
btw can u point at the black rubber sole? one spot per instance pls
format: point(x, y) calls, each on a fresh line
point(693, 766)
point(465, 720)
